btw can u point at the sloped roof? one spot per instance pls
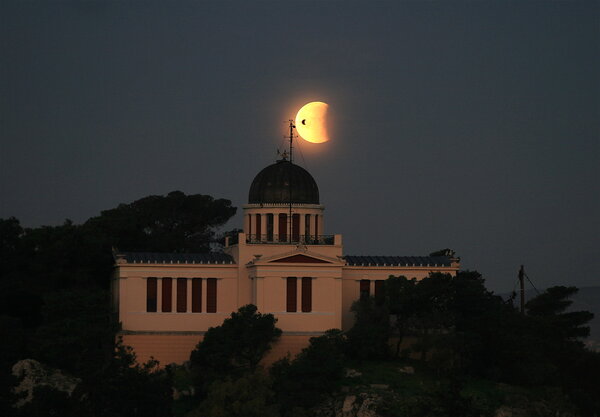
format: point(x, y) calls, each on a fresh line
point(397, 260)
point(175, 258)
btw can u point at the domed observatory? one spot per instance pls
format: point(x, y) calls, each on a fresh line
point(283, 207)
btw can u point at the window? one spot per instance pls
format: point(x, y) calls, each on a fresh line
point(306, 294)
point(151, 293)
point(365, 289)
point(316, 227)
point(291, 295)
point(250, 224)
point(181, 295)
point(167, 289)
point(211, 295)
point(282, 227)
point(196, 295)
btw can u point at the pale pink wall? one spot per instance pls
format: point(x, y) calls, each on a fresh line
point(164, 348)
point(132, 300)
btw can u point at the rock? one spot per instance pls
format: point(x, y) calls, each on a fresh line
point(348, 406)
point(367, 408)
point(506, 411)
point(32, 374)
point(380, 386)
point(352, 373)
point(407, 370)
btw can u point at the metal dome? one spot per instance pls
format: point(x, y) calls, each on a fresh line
point(272, 185)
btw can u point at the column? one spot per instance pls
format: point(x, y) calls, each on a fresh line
point(263, 226)
point(188, 282)
point(159, 295)
point(302, 226)
point(174, 295)
point(247, 223)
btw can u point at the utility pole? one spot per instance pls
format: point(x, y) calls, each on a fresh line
point(522, 284)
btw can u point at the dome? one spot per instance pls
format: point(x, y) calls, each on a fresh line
point(272, 185)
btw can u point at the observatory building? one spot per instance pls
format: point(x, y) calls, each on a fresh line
point(283, 262)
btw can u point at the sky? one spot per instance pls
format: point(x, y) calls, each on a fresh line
point(466, 125)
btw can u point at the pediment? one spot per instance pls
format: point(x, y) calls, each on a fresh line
point(297, 257)
point(300, 259)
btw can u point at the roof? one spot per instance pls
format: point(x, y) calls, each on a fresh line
point(398, 260)
point(273, 184)
point(175, 258)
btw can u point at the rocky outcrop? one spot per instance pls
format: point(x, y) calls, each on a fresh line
point(359, 405)
point(32, 374)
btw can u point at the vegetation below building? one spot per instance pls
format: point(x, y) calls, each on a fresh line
point(472, 353)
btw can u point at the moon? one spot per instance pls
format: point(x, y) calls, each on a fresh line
point(311, 122)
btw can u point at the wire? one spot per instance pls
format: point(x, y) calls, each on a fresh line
point(302, 156)
point(527, 276)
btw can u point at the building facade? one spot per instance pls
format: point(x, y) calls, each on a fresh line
point(282, 262)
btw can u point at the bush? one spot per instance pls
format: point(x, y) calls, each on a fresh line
point(315, 372)
point(233, 348)
point(249, 396)
point(369, 337)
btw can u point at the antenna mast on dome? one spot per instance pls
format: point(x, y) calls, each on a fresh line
point(291, 137)
point(290, 216)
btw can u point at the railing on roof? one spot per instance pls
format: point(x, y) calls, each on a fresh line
point(293, 239)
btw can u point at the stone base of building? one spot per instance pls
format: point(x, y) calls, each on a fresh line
point(175, 347)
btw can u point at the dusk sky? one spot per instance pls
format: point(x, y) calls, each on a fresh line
point(468, 125)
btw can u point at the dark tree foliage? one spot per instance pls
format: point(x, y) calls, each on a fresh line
point(443, 401)
point(50, 402)
point(234, 348)
point(12, 349)
point(125, 388)
point(53, 282)
point(463, 329)
point(401, 301)
point(77, 333)
point(249, 396)
point(369, 337)
point(551, 305)
point(314, 373)
point(433, 315)
point(172, 223)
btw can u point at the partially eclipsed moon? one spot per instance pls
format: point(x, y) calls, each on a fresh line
point(311, 122)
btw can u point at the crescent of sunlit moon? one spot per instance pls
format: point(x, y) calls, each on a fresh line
point(311, 122)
